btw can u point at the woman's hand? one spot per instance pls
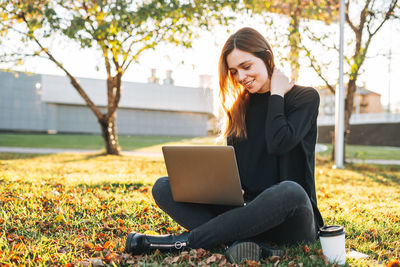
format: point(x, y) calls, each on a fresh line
point(280, 84)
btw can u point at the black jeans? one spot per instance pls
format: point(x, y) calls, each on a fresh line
point(281, 214)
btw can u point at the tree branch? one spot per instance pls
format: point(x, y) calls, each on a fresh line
point(387, 17)
point(73, 81)
point(348, 18)
point(318, 70)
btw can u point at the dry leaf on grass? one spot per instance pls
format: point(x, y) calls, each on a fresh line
point(394, 263)
point(274, 258)
point(252, 263)
point(305, 249)
point(211, 259)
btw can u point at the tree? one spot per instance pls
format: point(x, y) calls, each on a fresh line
point(364, 19)
point(296, 10)
point(120, 30)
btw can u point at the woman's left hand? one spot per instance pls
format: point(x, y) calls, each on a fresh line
point(280, 84)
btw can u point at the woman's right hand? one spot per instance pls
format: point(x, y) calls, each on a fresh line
point(280, 84)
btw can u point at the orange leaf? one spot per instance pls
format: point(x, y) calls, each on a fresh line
point(251, 263)
point(394, 263)
point(211, 259)
point(111, 258)
point(19, 246)
point(109, 245)
point(200, 253)
point(305, 249)
point(89, 245)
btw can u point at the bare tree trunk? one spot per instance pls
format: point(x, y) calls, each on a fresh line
point(109, 133)
point(348, 110)
point(333, 145)
point(294, 40)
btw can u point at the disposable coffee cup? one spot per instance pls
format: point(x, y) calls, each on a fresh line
point(332, 238)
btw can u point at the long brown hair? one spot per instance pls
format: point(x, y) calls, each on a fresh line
point(233, 96)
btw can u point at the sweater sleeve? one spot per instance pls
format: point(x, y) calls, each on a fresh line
point(285, 131)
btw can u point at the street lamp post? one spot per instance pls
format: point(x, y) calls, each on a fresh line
point(339, 98)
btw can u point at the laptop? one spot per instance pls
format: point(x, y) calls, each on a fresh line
point(203, 174)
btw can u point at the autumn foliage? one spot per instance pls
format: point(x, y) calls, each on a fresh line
point(76, 210)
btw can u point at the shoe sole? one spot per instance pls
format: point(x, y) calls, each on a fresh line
point(243, 251)
point(128, 242)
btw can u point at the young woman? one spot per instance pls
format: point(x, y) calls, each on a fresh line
point(272, 124)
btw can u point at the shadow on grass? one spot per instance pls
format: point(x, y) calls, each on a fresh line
point(383, 174)
point(14, 156)
point(86, 157)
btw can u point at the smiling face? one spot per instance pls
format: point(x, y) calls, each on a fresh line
point(248, 70)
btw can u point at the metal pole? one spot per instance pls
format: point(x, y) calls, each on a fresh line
point(389, 73)
point(339, 98)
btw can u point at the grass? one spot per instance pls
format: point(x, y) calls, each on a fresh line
point(154, 143)
point(77, 209)
point(81, 141)
point(368, 152)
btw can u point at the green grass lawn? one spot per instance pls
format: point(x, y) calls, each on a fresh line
point(77, 209)
point(154, 143)
point(81, 141)
point(367, 152)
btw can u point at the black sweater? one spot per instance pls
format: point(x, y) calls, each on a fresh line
point(280, 144)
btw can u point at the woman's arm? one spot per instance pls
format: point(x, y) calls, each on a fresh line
point(285, 131)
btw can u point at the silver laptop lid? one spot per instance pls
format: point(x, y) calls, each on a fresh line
point(203, 174)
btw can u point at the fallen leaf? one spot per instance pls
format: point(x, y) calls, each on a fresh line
point(251, 263)
point(211, 259)
point(19, 246)
point(89, 245)
point(200, 253)
point(313, 257)
point(274, 258)
point(111, 257)
point(150, 232)
point(305, 249)
point(394, 263)
point(96, 262)
point(83, 263)
point(109, 245)
point(326, 259)
point(175, 259)
point(59, 219)
point(222, 263)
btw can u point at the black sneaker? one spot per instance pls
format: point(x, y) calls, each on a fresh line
point(241, 251)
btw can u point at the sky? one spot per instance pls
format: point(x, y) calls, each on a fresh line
point(188, 64)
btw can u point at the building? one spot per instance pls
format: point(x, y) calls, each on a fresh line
point(49, 103)
point(370, 124)
point(365, 101)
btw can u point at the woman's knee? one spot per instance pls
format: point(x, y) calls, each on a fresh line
point(294, 192)
point(161, 189)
